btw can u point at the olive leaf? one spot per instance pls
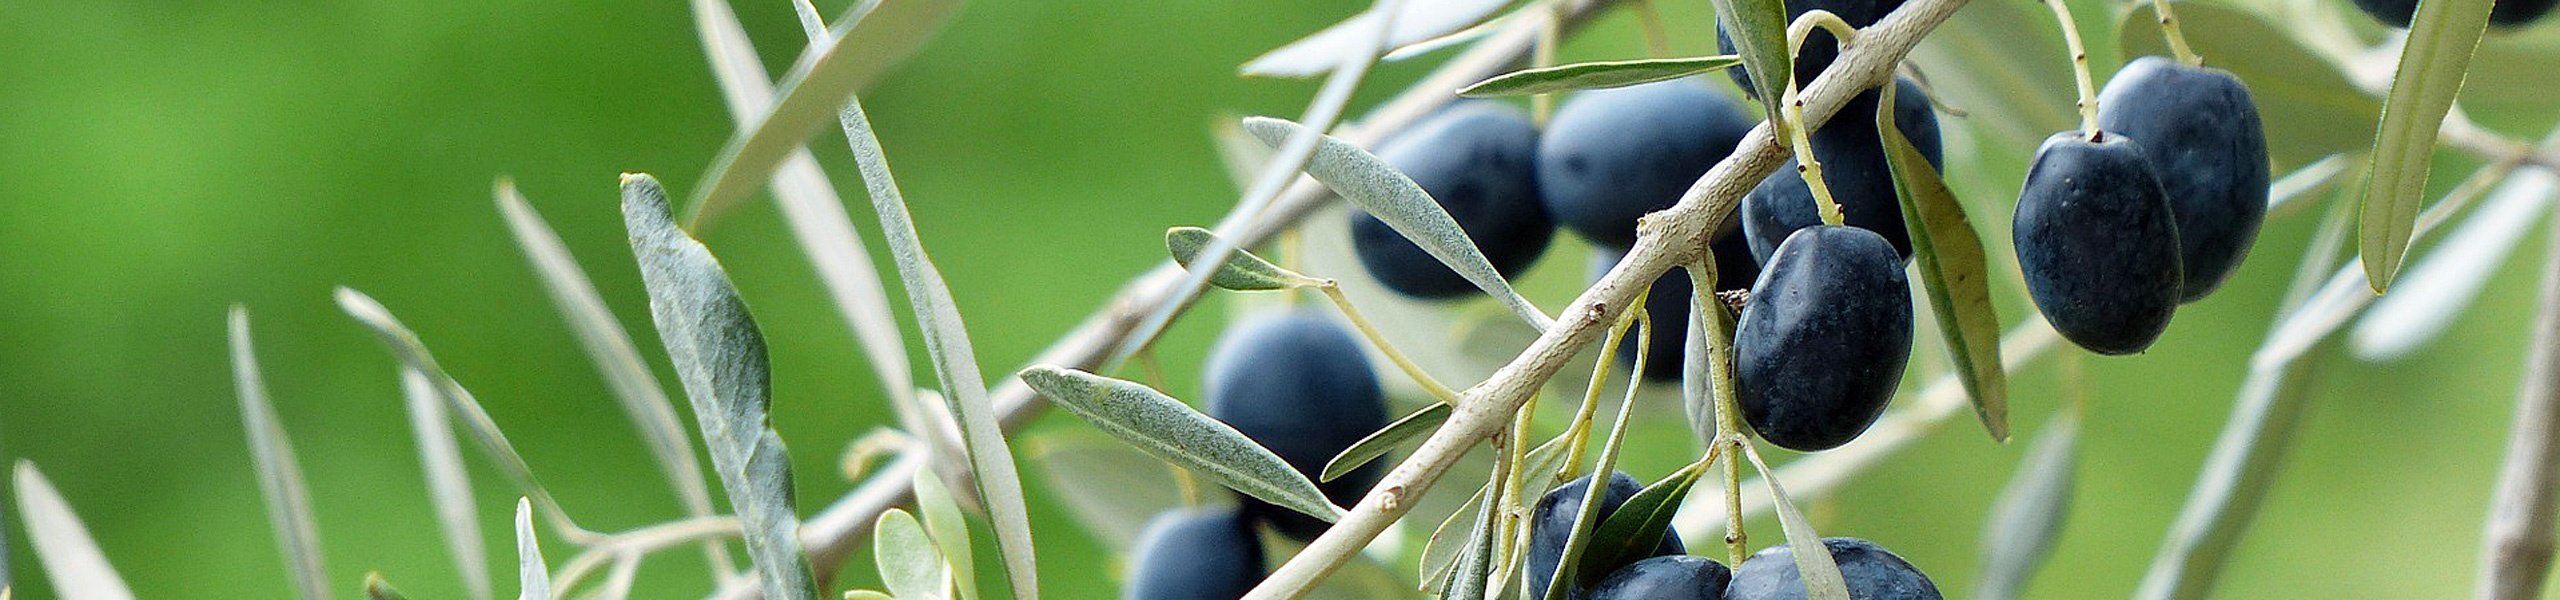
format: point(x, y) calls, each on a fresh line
point(949, 530)
point(1243, 271)
point(1370, 183)
point(71, 559)
point(377, 588)
point(1454, 537)
point(2315, 97)
point(1586, 523)
point(866, 595)
point(1477, 562)
point(601, 334)
point(279, 474)
point(533, 577)
point(1111, 489)
point(1758, 29)
point(2442, 36)
point(1953, 273)
point(908, 563)
point(719, 355)
point(1596, 75)
point(1170, 430)
point(2029, 515)
point(1820, 574)
point(1415, 22)
point(2442, 285)
point(448, 485)
point(1636, 528)
point(832, 69)
point(1382, 441)
point(412, 353)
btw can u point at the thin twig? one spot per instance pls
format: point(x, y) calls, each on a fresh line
point(2515, 551)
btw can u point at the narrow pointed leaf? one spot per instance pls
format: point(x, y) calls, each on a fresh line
point(1632, 533)
point(1170, 430)
point(1570, 574)
point(955, 363)
point(2442, 36)
point(950, 532)
point(1472, 581)
point(1954, 274)
point(1450, 540)
point(2030, 513)
point(1243, 271)
point(484, 431)
point(448, 485)
point(1821, 575)
point(809, 95)
point(1111, 489)
point(279, 474)
point(2234, 480)
point(1385, 440)
point(2307, 103)
point(533, 576)
point(376, 588)
point(818, 221)
point(1759, 32)
point(1415, 22)
point(1370, 183)
point(720, 356)
point(1596, 75)
point(866, 595)
point(71, 559)
point(2443, 284)
point(905, 556)
point(610, 348)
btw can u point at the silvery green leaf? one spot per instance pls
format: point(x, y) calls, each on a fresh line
point(818, 84)
point(279, 474)
point(2442, 36)
point(448, 485)
point(1954, 274)
point(1476, 564)
point(2234, 479)
point(817, 218)
point(2030, 513)
point(1453, 538)
point(1631, 533)
point(1243, 271)
point(610, 347)
point(1370, 183)
point(1821, 575)
point(2443, 283)
point(1758, 29)
point(1569, 574)
point(376, 588)
point(908, 564)
point(1111, 489)
point(1382, 441)
point(955, 364)
point(71, 559)
point(2305, 100)
point(720, 356)
point(866, 595)
point(1596, 75)
point(1416, 21)
point(484, 431)
point(1170, 430)
point(533, 576)
point(950, 531)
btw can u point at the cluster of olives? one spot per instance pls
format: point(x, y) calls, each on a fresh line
point(2155, 207)
point(1669, 573)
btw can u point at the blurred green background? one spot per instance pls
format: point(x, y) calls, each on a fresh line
point(161, 161)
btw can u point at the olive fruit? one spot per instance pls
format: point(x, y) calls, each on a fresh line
point(1678, 577)
point(1872, 573)
point(2200, 130)
point(1477, 159)
point(1823, 340)
point(1612, 155)
point(1853, 166)
point(2098, 243)
point(1207, 554)
point(1551, 525)
point(1820, 48)
point(1299, 384)
point(2507, 13)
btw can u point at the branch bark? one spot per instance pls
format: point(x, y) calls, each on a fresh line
point(2516, 549)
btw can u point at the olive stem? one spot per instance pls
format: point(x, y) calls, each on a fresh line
point(1514, 482)
point(1550, 35)
point(1580, 432)
point(2176, 35)
point(599, 553)
point(1333, 291)
point(1655, 40)
point(1719, 334)
point(1791, 109)
point(2080, 66)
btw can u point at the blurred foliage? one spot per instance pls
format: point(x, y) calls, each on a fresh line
point(163, 160)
